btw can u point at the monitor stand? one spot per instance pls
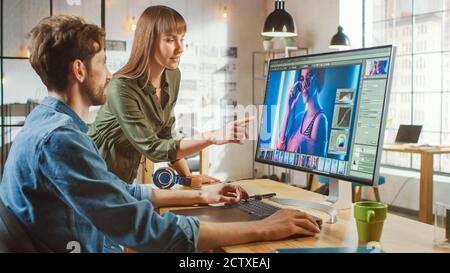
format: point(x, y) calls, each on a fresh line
point(339, 197)
point(339, 194)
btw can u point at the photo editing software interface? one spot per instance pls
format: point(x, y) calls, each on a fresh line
point(323, 113)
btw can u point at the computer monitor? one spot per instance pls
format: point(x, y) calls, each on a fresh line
point(325, 113)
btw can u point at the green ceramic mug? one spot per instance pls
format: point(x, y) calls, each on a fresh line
point(369, 217)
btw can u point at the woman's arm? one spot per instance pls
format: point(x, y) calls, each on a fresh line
point(193, 145)
point(181, 167)
point(233, 132)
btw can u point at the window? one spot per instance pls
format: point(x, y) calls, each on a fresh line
point(420, 29)
point(20, 87)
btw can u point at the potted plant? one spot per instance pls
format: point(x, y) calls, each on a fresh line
point(267, 42)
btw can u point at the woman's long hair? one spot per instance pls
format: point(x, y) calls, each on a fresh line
point(154, 21)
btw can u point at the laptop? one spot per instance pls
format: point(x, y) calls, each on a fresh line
point(244, 211)
point(408, 134)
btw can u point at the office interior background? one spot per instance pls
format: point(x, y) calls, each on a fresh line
point(223, 66)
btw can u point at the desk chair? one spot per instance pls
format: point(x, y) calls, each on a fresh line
point(356, 188)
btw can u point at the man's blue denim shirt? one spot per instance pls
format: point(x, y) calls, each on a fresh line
point(59, 187)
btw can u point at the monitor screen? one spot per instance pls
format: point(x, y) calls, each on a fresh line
point(325, 113)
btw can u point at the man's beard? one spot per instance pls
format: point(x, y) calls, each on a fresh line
point(95, 95)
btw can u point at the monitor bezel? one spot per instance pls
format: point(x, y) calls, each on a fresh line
point(376, 173)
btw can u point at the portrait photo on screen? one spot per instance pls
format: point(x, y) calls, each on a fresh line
point(376, 67)
point(304, 107)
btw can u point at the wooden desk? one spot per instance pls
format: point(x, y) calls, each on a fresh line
point(426, 174)
point(399, 234)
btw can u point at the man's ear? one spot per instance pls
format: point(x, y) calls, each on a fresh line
point(78, 70)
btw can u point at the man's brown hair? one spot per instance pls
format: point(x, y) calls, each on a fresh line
point(59, 40)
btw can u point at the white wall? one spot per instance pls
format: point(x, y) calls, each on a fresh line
point(316, 21)
point(245, 20)
point(350, 21)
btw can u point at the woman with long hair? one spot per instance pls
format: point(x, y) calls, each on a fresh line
point(137, 118)
point(308, 133)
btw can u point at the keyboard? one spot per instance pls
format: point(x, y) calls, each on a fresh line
point(258, 208)
point(264, 210)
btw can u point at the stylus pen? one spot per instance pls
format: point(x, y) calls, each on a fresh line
point(262, 196)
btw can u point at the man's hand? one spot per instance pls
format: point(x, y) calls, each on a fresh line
point(285, 223)
point(279, 225)
point(204, 179)
point(233, 132)
point(199, 180)
point(223, 193)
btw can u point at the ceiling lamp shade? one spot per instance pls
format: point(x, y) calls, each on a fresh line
point(279, 23)
point(339, 40)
